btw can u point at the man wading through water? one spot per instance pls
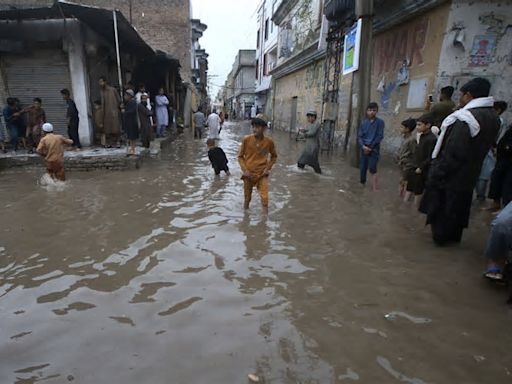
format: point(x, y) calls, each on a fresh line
point(257, 156)
point(312, 134)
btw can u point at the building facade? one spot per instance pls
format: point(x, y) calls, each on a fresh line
point(299, 72)
point(46, 49)
point(418, 47)
point(243, 78)
point(266, 55)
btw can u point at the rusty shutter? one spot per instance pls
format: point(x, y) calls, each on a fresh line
point(42, 74)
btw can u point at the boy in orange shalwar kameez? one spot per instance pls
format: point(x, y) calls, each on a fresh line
point(257, 156)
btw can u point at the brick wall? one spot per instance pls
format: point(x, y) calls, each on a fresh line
point(164, 24)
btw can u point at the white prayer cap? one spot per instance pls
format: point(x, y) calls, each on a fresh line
point(47, 127)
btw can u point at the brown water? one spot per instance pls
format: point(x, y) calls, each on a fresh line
point(158, 276)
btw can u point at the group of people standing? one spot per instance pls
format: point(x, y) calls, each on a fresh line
point(24, 124)
point(135, 116)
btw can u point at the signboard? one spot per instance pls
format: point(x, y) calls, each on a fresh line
point(351, 49)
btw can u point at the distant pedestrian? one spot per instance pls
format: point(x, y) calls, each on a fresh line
point(423, 156)
point(73, 119)
point(98, 123)
point(12, 117)
point(199, 123)
point(111, 119)
point(312, 134)
point(466, 137)
point(221, 117)
point(254, 112)
point(217, 157)
point(257, 156)
point(145, 126)
point(142, 90)
point(439, 111)
point(36, 117)
point(162, 113)
point(51, 147)
point(370, 135)
point(213, 123)
point(130, 120)
point(405, 157)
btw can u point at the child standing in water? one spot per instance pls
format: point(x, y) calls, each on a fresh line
point(406, 159)
point(423, 155)
point(217, 157)
point(51, 147)
point(370, 135)
point(257, 156)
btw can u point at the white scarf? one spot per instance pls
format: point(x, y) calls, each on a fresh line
point(465, 116)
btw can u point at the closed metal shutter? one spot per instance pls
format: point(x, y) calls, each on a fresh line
point(43, 73)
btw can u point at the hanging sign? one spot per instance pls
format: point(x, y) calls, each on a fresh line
point(351, 48)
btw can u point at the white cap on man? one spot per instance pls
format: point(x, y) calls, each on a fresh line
point(47, 127)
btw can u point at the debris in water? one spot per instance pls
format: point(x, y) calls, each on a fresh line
point(416, 320)
point(351, 375)
point(384, 363)
point(253, 378)
point(342, 191)
point(478, 358)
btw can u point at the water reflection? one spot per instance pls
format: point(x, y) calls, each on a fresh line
point(158, 275)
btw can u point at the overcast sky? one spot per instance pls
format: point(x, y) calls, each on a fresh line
point(231, 26)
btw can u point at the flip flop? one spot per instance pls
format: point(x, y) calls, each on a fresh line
point(494, 274)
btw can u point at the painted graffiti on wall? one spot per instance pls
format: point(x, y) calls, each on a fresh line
point(405, 43)
point(481, 53)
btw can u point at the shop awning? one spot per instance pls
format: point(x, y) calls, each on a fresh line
point(98, 19)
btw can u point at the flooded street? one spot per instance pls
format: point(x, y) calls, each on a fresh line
point(159, 276)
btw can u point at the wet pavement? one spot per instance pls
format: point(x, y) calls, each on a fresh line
point(157, 276)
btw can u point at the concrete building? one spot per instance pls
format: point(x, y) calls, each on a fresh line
point(298, 74)
point(199, 63)
point(266, 55)
point(244, 78)
point(418, 47)
point(228, 94)
point(45, 49)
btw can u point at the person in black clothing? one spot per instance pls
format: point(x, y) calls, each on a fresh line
point(73, 120)
point(423, 154)
point(501, 179)
point(466, 137)
point(130, 120)
point(217, 157)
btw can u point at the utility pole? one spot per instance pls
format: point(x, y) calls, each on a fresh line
point(361, 82)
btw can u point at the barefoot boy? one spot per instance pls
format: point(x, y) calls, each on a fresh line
point(217, 157)
point(371, 133)
point(51, 147)
point(256, 157)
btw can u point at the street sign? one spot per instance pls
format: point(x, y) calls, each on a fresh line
point(351, 49)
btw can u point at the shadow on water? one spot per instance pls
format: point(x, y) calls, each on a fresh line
point(158, 275)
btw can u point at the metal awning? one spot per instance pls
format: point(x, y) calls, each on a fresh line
point(98, 19)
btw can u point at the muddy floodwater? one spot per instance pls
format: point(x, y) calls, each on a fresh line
point(158, 276)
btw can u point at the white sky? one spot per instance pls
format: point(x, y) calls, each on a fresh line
point(231, 26)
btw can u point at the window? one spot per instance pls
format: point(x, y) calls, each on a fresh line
point(265, 65)
point(266, 30)
point(273, 9)
point(257, 69)
point(258, 39)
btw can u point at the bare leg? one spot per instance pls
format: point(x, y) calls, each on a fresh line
point(407, 196)
point(417, 200)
